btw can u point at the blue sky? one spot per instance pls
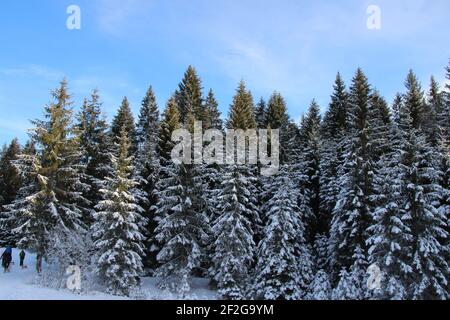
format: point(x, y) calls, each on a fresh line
point(294, 47)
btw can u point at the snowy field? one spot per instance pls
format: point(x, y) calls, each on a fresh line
point(18, 285)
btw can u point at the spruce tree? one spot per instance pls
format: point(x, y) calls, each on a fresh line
point(434, 117)
point(94, 142)
point(118, 241)
point(242, 113)
point(333, 131)
point(277, 118)
point(170, 123)
point(212, 117)
point(189, 96)
point(124, 120)
point(9, 176)
point(284, 266)
point(48, 212)
point(233, 233)
point(148, 170)
point(352, 213)
point(310, 168)
point(414, 100)
point(261, 114)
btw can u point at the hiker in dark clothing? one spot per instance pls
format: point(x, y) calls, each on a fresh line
point(6, 259)
point(22, 258)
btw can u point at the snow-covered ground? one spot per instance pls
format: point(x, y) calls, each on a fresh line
point(18, 285)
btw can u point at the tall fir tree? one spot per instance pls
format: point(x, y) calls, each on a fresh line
point(333, 130)
point(310, 168)
point(352, 213)
point(414, 100)
point(242, 113)
point(170, 122)
point(233, 236)
point(118, 240)
point(212, 117)
point(189, 96)
point(94, 142)
point(284, 264)
point(278, 118)
point(147, 170)
point(10, 183)
point(261, 114)
point(9, 176)
point(433, 108)
point(49, 211)
point(124, 120)
point(182, 231)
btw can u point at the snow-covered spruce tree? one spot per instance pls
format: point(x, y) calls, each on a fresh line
point(124, 120)
point(320, 286)
point(94, 141)
point(352, 213)
point(9, 177)
point(242, 117)
point(333, 131)
point(233, 244)
point(50, 207)
point(353, 283)
point(23, 164)
point(284, 264)
point(309, 166)
point(10, 182)
point(182, 230)
point(147, 171)
point(118, 240)
point(420, 188)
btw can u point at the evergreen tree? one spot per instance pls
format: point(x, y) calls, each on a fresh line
point(284, 268)
point(118, 241)
point(189, 96)
point(334, 129)
point(51, 207)
point(170, 123)
point(353, 284)
point(435, 118)
point(124, 120)
point(310, 168)
point(94, 142)
point(182, 231)
point(212, 117)
point(242, 113)
point(9, 176)
point(148, 169)
point(414, 100)
point(277, 118)
point(352, 213)
point(261, 114)
point(233, 233)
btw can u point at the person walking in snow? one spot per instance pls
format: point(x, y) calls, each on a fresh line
point(6, 259)
point(22, 258)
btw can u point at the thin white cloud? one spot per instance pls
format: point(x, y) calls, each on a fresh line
point(33, 71)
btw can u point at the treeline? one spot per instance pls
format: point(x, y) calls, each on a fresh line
point(365, 184)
